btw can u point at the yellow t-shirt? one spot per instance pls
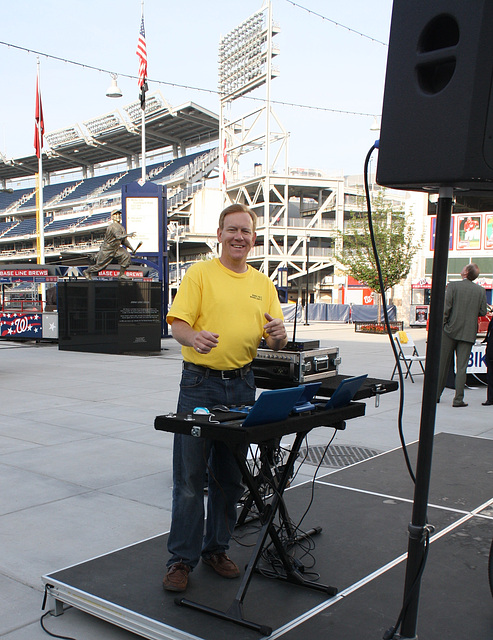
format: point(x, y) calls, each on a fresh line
point(214, 298)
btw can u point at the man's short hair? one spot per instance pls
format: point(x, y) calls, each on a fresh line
point(472, 271)
point(238, 208)
point(116, 212)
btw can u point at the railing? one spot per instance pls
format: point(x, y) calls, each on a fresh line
point(24, 306)
point(302, 223)
point(193, 168)
point(314, 253)
point(184, 195)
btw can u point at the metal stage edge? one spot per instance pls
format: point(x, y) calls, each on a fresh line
point(59, 593)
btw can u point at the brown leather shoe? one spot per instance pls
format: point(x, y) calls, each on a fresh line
point(176, 579)
point(222, 565)
point(459, 404)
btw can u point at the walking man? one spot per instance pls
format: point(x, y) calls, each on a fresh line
point(464, 303)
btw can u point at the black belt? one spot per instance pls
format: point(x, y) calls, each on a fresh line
point(228, 374)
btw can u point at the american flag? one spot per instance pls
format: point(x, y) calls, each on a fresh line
point(142, 54)
point(39, 124)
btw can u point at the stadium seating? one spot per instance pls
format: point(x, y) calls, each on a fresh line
point(5, 226)
point(24, 228)
point(69, 206)
point(95, 218)
point(50, 191)
point(62, 224)
point(8, 199)
point(88, 186)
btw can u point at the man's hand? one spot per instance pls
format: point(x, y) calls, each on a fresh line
point(201, 341)
point(276, 332)
point(205, 341)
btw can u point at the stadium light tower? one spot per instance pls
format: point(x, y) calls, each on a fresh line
point(245, 64)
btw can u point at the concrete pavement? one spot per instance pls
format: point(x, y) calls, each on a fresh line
point(83, 472)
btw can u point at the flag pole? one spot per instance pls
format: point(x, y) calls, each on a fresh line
point(143, 142)
point(39, 179)
point(142, 55)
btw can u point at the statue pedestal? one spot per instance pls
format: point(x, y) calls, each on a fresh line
point(109, 317)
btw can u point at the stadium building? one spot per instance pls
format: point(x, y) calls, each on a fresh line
point(205, 161)
point(85, 167)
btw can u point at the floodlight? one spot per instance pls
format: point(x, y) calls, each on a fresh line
point(154, 102)
point(243, 57)
point(63, 136)
point(103, 124)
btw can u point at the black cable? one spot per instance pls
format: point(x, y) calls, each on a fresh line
point(386, 315)
point(176, 85)
point(315, 477)
point(295, 537)
point(286, 532)
point(53, 635)
point(49, 613)
point(474, 375)
point(300, 464)
point(337, 24)
point(390, 633)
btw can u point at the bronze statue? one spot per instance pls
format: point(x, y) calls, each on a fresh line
point(114, 248)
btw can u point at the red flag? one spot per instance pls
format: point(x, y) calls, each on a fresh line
point(39, 125)
point(225, 162)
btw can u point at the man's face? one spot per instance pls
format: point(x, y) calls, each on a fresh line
point(116, 217)
point(236, 237)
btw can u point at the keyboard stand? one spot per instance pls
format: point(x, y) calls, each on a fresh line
point(267, 512)
point(268, 473)
point(236, 437)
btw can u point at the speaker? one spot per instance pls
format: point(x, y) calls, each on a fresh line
point(437, 117)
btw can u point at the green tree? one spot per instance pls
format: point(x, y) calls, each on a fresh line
point(394, 238)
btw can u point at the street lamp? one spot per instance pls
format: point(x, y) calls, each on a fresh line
point(307, 245)
point(375, 125)
point(114, 90)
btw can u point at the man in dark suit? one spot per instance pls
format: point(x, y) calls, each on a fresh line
point(489, 364)
point(464, 303)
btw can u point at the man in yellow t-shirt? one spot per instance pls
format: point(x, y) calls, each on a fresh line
point(221, 311)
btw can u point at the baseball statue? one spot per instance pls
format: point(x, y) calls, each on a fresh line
point(114, 248)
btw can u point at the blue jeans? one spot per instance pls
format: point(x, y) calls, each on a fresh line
point(193, 459)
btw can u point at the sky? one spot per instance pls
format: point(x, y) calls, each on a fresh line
point(337, 71)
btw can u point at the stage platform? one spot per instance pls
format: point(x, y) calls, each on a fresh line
point(364, 511)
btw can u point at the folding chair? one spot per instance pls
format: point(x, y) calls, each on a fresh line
point(407, 353)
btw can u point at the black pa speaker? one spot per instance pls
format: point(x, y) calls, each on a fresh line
point(437, 117)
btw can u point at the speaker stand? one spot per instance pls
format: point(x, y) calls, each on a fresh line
point(418, 529)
